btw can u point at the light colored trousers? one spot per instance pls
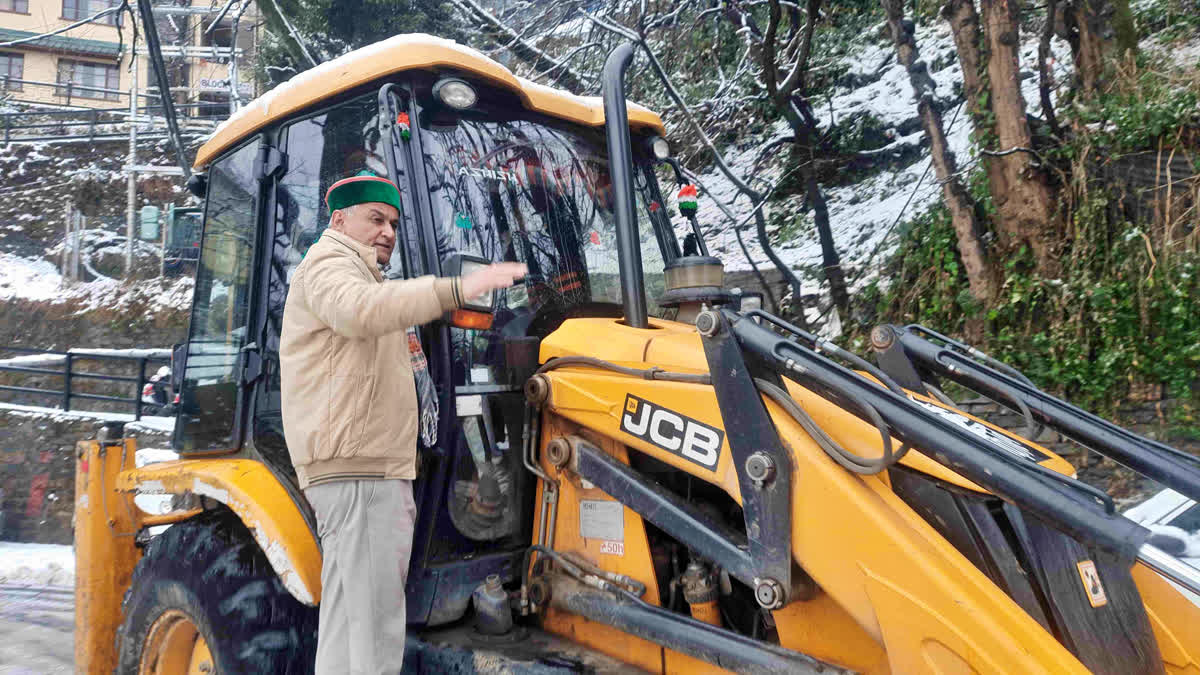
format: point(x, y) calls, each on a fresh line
point(366, 529)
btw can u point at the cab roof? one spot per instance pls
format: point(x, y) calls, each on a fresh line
point(398, 54)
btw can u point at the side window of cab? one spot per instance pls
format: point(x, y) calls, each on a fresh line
point(219, 324)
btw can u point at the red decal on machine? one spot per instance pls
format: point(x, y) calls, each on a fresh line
point(612, 547)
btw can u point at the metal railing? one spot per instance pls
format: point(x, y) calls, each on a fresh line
point(70, 376)
point(101, 123)
point(69, 90)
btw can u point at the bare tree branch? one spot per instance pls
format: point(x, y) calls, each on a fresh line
point(522, 48)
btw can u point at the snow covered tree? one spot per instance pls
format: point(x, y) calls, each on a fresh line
point(301, 32)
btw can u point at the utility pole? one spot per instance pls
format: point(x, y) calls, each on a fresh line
point(77, 242)
point(66, 250)
point(131, 197)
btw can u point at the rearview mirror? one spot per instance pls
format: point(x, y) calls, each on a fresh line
point(475, 313)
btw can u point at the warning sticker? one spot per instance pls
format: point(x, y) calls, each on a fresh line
point(1001, 441)
point(1091, 583)
point(612, 547)
point(602, 520)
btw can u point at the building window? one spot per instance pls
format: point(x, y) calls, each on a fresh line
point(221, 36)
point(12, 67)
point(213, 104)
point(177, 78)
point(75, 10)
point(19, 6)
point(88, 80)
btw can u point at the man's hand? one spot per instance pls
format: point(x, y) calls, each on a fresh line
point(498, 275)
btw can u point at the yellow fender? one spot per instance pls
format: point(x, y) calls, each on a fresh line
point(251, 491)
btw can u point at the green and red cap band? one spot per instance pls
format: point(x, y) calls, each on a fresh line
point(687, 200)
point(365, 187)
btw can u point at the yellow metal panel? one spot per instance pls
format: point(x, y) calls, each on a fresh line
point(635, 562)
point(675, 663)
point(1174, 619)
point(252, 492)
point(676, 346)
point(105, 554)
point(822, 629)
point(398, 54)
point(849, 532)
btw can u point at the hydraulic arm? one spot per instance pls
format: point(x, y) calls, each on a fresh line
point(899, 347)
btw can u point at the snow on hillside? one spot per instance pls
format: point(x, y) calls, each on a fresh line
point(863, 216)
point(38, 280)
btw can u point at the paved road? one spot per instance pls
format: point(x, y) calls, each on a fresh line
point(36, 630)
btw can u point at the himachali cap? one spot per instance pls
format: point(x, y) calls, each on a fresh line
point(361, 188)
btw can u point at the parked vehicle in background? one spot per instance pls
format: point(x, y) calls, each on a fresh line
point(1175, 521)
point(181, 249)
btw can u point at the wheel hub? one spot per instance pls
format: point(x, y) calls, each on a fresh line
point(174, 646)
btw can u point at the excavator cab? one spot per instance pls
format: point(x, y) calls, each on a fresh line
point(641, 468)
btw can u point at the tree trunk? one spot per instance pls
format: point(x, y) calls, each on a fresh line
point(830, 260)
point(964, 26)
point(789, 100)
point(1044, 68)
point(1104, 33)
point(958, 200)
point(1024, 205)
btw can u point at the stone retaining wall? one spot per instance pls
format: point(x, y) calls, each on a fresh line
point(37, 471)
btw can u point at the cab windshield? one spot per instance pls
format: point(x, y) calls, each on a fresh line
point(527, 188)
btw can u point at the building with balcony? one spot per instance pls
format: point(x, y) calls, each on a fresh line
point(88, 66)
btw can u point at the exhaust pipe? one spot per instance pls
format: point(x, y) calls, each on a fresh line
point(620, 167)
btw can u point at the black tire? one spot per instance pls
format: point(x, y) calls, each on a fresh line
point(211, 569)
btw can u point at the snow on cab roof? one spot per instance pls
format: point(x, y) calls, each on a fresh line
point(397, 54)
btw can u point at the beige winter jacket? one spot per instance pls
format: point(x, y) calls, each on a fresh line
point(349, 402)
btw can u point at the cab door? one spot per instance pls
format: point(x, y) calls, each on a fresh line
point(219, 332)
point(474, 498)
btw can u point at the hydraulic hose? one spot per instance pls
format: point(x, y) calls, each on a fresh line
point(848, 460)
point(654, 373)
point(845, 458)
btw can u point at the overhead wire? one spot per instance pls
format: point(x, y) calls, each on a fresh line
point(57, 31)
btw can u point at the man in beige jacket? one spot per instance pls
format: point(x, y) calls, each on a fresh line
point(350, 415)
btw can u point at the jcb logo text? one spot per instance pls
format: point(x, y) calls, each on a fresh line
point(671, 431)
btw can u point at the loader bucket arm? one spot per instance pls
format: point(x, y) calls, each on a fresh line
point(887, 575)
point(977, 371)
point(891, 573)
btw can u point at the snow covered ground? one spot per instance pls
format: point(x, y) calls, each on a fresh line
point(164, 425)
point(54, 564)
point(36, 564)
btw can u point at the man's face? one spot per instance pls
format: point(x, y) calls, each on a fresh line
point(370, 223)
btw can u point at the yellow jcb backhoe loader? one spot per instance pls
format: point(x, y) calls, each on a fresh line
point(636, 468)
